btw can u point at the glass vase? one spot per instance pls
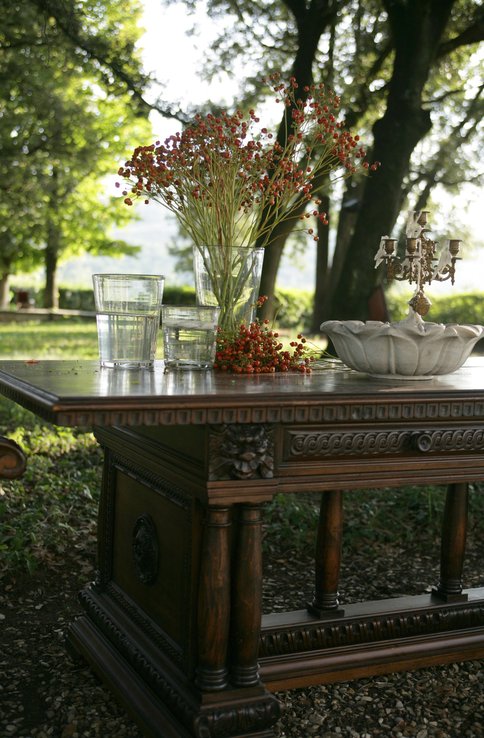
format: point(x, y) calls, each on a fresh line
point(228, 277)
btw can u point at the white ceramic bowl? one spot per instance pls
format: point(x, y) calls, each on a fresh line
point(409, 349)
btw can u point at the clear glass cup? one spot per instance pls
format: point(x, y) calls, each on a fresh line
point(189, 335)
point(128, 318)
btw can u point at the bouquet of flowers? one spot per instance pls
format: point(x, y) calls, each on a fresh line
point(229, 183)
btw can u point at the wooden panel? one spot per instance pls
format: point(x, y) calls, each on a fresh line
point(165, 599)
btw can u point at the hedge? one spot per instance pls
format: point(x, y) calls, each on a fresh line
point(294, 306)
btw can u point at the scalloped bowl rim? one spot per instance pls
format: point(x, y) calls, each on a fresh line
point(410, 348)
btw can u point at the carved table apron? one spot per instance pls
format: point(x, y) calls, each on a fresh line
point(173, 621)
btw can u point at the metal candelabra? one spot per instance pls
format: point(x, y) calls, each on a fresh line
point(420, 265)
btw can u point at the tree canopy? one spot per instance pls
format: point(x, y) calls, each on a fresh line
point(407, 71)
point(64, 119)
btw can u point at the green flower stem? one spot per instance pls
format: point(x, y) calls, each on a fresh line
point(231, 273)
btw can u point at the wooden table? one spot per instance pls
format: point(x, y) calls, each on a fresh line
point(173, 621)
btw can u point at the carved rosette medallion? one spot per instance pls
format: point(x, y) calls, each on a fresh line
point(145, 549)
point(241, 452)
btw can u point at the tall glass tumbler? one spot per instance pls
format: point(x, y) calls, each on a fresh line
point(128, 318)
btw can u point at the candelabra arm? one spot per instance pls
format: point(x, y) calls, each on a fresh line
point(420, 265)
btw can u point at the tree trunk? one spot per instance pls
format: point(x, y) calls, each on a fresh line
point(322, 268)
point(4, 291)
point(348, 213)
point(51, 294)
point(53, 244)
point(311, 23)
point(272, 259)
point(417, 27)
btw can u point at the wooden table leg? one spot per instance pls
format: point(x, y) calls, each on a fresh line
point(328, 555)
point(240, 707)
point(454, 532)
point(158, 627)
point(247, 597)
point(214, 601)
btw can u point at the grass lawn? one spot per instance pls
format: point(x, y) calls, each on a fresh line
point(60, 339)
point(54, 504)
point(63, 339)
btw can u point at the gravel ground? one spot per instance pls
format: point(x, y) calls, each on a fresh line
point(43, 693)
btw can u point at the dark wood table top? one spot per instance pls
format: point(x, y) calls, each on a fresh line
point(81, 393)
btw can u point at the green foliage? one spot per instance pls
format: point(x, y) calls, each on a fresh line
point(69, 298)
point(455, 308)
point(53, 507)
point(291, 521)
point(63, 127)
point(458, 308)
point(372, 517)
point(174, 295)
point(75, 299)
point(294, 309)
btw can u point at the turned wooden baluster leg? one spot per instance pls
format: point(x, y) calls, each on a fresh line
point(214, 601)
point(328, 555)
point(247, 597)
point(454, 531)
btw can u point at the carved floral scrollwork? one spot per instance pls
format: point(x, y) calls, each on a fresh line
point(469, 439)
point(367, 443)
point(241, 452)
point(334, 443)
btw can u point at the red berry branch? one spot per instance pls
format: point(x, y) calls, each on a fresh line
point(256, 349)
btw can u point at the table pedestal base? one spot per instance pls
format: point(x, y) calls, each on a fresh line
point(173, 623)
point(162, 703)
